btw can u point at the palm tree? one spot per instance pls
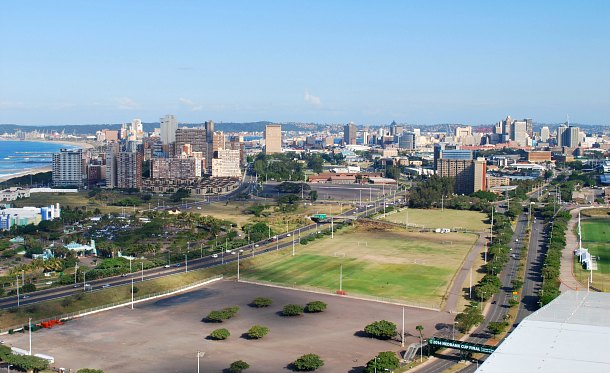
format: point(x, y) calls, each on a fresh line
point(420, 329)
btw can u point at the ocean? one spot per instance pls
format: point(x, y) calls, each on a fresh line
point(19, 156)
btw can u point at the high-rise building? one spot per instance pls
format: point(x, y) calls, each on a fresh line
point(196, 137)
point(518, 132)
point(461, 132)
point(568, 136)
point(407, 141)
point(129, 170)
point(469, 175)
point(545, 134)
point(365, 137)
point(396, 129)
point(176, 168)
point(349, 133)
point(273, 138)
point(226, 164)
point(112, 153)
point(169, 125)
point(68, 167)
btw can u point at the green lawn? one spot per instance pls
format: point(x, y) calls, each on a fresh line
point(596, 238)
point(404, 266)
point(435, 218)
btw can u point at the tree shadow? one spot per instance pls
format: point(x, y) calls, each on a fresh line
point(362, 334)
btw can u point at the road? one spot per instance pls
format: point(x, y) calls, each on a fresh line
point(499, 303)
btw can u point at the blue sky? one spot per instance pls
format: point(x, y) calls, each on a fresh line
point(371, 62)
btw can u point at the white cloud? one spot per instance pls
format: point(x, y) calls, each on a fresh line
point(311, 99)
point(126, 103)
point(191, 104)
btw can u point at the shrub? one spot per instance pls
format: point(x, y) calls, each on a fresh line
point(261, 302)
point(220, 334)
point(89, 370)
point(308, 362)
point(257, 331)
point(315, 306)
point(238, 366)
point(292, 310)
point(381, 329)
point(383, 361)
point(220, 316)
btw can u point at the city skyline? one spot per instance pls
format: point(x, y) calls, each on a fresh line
point(316, 62)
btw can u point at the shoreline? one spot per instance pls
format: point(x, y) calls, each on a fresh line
point(36, 170)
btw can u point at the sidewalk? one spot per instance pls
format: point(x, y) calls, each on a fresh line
point(566, 271)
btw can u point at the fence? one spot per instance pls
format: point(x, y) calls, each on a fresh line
point(143, 298)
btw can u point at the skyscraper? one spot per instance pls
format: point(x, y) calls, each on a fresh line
point(518, 132)
point(129, 170)
point(349, 133)
point(545, 133)
point(273, 138)
point(169, 125)
point(68, 167)
point(469, 175)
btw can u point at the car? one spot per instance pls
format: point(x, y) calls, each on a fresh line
point(214, 255)
point(76, 286)
point(124, 275)
point(198, 207)
point(105, 286)
point(232, 252)
point(166, 266)
point(177, 265)
point(25, 297)
point(288, 235)
point(241, 250)
point(257, 245)
point(49, 283)
point(516, 240)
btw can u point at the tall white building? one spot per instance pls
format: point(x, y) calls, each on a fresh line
point(169, 125)
point(545, 134)
point(68, 167)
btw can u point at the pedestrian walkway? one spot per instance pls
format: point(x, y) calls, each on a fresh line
point(566, 272)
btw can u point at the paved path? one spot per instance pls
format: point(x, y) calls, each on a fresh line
point(566, 271)
point(457, 290)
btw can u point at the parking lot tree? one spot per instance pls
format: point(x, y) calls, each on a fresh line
point(261, 302)
point(382, 329)
point(292, 310)
point(257, 332)
point(220, 334)
point(384, 361)
point(238, 366)
point(315, 306)
point(308, 362)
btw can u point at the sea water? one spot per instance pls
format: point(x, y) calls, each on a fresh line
point(19, 156)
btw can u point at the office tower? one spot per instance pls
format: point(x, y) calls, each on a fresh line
point(68, 167)
point(462, 132)
point(396, 129)
point(529, 127)
point(349, 134)
point(129, 170)
point(137, 129)
point(480, 175)
point(365, 137)
point(169, 125)
point(112, 152)
point(568, 136)
point(545, 134)
point(505, 126)
point(273, 138)
point(407, 141)
point(518, 132)
point(226, 164)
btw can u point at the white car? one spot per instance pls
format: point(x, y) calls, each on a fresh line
point(257, 245)
point(288, 235)
point(214, 255)
point(49, 283)
point(232, 252)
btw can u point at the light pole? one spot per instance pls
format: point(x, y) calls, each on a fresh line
point(199, 355)
point(132, 293)
point(75, 272)
point(17, 291)
point(84, 281)
point(186, 263)
point(142, 271)
point(30, 329)
point(238, 266)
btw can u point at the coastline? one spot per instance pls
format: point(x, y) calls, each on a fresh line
point(37, 170)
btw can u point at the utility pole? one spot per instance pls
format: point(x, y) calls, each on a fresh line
point(132, 293)
point(30, 328)
point(402, 335)
point(332, 228)
point(237, 266)
point(341, 278)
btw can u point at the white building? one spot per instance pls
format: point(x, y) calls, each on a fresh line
point(169, 125)
point(226, 164)
point(68, 167)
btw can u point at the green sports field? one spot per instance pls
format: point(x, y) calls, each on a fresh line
point(410, 267)
point(435, 218)
point(596, 238)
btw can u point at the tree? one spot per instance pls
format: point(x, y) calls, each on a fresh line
point(261, 302)
point(292, 310)
point(383, 361)
point(220, 334)
point(308, 362)
point(313, 195)
point(496, 328)
point(27, 288)
point(257, 332)
point(221, 315)
point(382, 329)
point(238, 366)
point(420, 329)
point(471, 316)
point(315, 306)
point(89, 370)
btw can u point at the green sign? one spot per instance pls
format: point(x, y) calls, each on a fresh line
point(460, 345)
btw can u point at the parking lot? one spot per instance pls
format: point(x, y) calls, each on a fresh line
point(165, 335)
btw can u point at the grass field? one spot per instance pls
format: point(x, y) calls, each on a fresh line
point(434, 218)
point(596, 238)
point(411, 267)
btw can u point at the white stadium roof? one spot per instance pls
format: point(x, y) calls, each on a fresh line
point(567, 335)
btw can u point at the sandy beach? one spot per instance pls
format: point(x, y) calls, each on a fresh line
point(37, 170)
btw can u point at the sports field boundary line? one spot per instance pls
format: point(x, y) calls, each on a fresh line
point(338, 295)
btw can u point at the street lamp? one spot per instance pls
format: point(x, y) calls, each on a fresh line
point(199, 355)
point(186, 263)
point(17, 291)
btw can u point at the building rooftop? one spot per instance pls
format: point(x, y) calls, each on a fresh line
point(567, 335)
